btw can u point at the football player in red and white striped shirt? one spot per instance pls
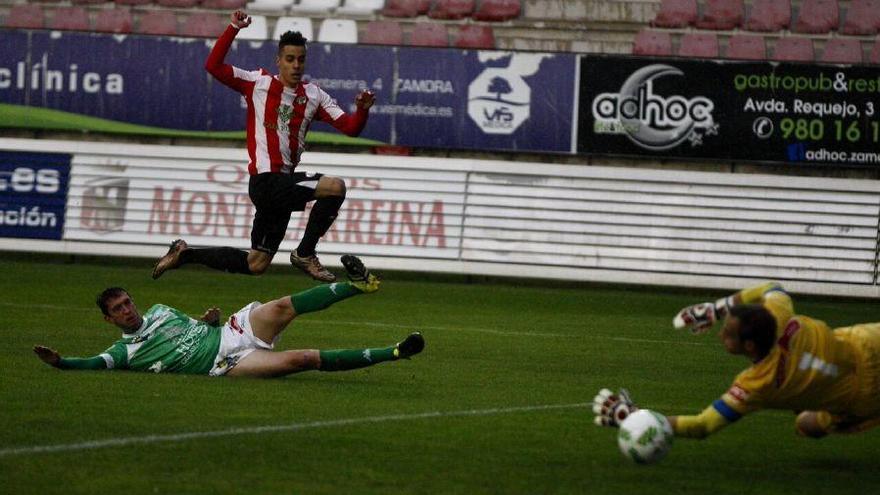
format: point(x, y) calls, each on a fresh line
point(280, 110)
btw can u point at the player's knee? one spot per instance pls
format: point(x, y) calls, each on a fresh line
point(807, 425)
point(335, 186)
point(303, 360)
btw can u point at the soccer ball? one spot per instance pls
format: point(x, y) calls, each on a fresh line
point(645, 436)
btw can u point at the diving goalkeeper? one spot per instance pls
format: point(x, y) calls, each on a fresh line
point(165, 340)
point(831, 378)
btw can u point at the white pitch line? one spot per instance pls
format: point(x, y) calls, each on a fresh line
point(257, 430)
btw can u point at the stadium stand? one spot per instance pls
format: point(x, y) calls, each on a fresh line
point(451, 9)
point(86, 2)
point(769, 15)
point(277, 7)
point(429, 34)
point(113, 20)
point(817, 17)
point(475, 36)
point(182, 4)
point(301, 24)
point(402, 8)
point(257, 31)
point(676, 14)
point(223, 4)
point(721, 15)
point(862, 18)
point(316, 7)
point(702, 45)
point(159, 22)
point(360, 8)
point(25, 16)
point(73, 18)
point(746, 47)
point(203, 25)
point(875, 53)
point(383, 33)
point(497, 10)
point(338, 31)
point(133, 2)
point(648, 42)
point(793, 49)
point(842, 51)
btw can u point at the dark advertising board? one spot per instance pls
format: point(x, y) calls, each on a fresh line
point(33, 194)
point(766, 112)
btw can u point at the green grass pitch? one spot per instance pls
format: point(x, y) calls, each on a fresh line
point(496, 404)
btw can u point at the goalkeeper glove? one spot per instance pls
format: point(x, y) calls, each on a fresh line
point(699, 317)
point(611, 409)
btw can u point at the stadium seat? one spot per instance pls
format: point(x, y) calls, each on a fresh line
point(70, 19)
point(702, 45)
point(133, 2)
point(356, 8)
point(203, 25)
point(429, 34)
point(274, 6)
point(301, 24)
point(657, 43)
point(676, 14)
point(383, 33)
point(159, 22)
point(794, 49)
point(25, 16)
point(257, 31)
point(721, 14)
point(817, 17)
point(318, 7)
point(223, 4)
point(746, 47)
point(451, 9)
point(862, 18)
point(338, 31)
point(497, 10)
point(400, 8)
point(842, 51)
point(475, 36)
point(113, 21)
point(87, 2)
point(875, 53)
point(769, 16)
point(183, 4)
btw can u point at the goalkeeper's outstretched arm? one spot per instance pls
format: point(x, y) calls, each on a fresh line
point(52, 358)
point(711, 420)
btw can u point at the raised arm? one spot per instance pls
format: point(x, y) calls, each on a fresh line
point(52, 358)
point(215, 63)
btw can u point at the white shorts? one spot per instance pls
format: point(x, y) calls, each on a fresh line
point(237, 340)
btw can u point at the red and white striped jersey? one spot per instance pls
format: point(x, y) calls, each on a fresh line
point(278, 117)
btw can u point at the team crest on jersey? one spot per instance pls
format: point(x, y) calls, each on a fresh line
point(300, 100)
point(284, 113)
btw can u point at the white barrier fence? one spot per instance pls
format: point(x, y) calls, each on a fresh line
point(590, 223)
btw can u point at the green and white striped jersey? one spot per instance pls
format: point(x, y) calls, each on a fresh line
point(167, 341)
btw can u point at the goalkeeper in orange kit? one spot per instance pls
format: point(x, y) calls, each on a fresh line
point(831, 378)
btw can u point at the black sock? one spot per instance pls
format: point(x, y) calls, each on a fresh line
point(222, 258)
point(321, 218)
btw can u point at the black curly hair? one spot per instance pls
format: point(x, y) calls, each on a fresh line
point(294, 38)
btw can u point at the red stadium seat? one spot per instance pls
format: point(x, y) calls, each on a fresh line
point(474, 36)
point(817, 17)
point(842, 51)
point(113, 21)
point(746, 47)
point(383, 33)
point(451, 9)
point(862, 18)
point(698, 45)
point(70, 19)
point(224, 4)
point(133, 2)
point(875, 53)
point(429, 34)
point(178, 3)
point(793, 49)
point(203, 25)
point(656, 43)
point(676, 14)
point(161, 22)
point(400, 8)
point(498, 10)
point(86, 2)
point(721, 14)
point(769, 15)
point(25, 16)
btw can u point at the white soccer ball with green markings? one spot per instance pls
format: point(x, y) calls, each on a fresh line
point(645, 436)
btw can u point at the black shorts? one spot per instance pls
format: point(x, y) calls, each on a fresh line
point(275, 197)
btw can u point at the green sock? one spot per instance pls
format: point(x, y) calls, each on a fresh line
point(322, 296)
point(350, 359)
